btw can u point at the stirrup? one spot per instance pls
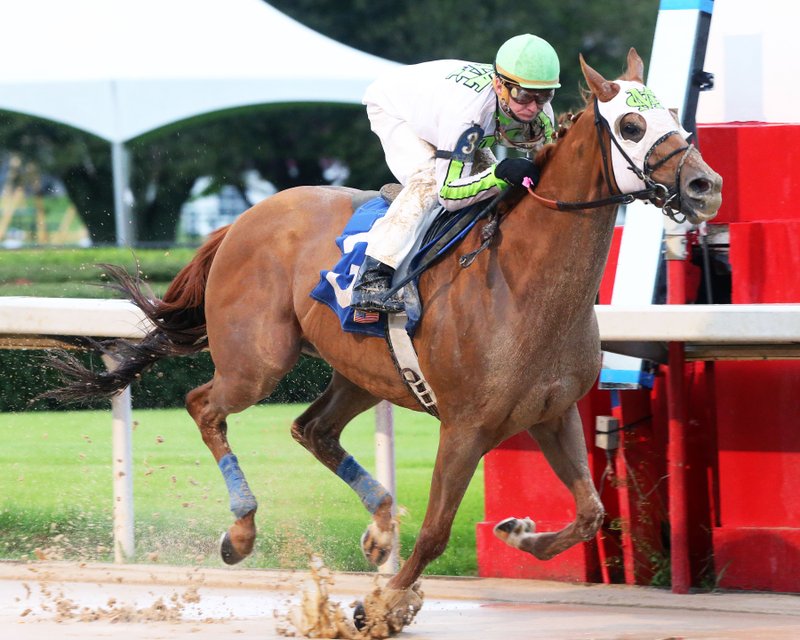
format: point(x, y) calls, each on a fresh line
point(373, 282)
point(373, 300)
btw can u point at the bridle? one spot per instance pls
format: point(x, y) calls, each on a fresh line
point(668, 199)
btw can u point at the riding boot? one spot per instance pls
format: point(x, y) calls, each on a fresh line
point(372, 284)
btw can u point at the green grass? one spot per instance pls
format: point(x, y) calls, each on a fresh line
point(72, 272)
point(56, 489)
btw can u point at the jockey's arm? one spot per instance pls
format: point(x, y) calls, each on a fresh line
point(464, 177)
point(465, 171)
point(459, 189)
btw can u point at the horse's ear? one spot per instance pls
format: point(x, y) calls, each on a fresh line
point(602, 88)
point(635, 70)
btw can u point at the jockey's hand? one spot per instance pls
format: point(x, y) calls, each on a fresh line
point(513, 170)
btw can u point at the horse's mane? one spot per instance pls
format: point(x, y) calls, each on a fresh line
point(564, 124)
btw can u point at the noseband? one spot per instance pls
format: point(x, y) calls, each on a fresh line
point(668, 199)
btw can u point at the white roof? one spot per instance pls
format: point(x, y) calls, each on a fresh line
point(121, 68)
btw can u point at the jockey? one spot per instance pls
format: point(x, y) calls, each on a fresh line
point(437, 122)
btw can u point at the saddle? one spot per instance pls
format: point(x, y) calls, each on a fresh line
point(447, 230)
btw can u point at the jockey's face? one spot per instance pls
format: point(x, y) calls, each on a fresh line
point(524, 112)
point(525, 104)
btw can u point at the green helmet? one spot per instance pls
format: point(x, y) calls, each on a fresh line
point(528, 61)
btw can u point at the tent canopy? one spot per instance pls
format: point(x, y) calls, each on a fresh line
point(121, 68)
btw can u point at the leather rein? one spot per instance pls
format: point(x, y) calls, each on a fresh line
point(668, 199)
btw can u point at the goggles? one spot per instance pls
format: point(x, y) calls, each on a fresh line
point(521, 95)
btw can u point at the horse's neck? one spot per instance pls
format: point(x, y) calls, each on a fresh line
point(569, 250)
point(558, 257)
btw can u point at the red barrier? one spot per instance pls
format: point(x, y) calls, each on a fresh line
point(740, 519)
point(760, 167)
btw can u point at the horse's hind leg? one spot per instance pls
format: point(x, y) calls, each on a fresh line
point(319, 429)
point(562, 442)
point(232, 390)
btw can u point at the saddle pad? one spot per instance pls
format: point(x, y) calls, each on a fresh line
point(335, 287)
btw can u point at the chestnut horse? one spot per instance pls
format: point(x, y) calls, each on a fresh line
point(508, 344)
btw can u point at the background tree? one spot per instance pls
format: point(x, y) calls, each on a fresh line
point(285, 143)
point(288, 143)
point(419, 30)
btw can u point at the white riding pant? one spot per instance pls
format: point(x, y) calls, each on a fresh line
point(412, 161)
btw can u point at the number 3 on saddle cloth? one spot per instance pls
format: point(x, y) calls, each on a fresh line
point(336, 285)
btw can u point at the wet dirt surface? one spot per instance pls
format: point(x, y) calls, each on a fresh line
point(49, 600)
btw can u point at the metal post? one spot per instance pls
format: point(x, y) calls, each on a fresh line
point(122, 454)
point(676, 406)
point(385, 471)
point(123, 218)
point(676, 456)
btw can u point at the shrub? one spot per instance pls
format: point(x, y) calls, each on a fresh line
point(73, 273)
point(26, 375)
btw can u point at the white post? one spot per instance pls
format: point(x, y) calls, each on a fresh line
point(123, 219)
point(122, 467)
point(385, 471)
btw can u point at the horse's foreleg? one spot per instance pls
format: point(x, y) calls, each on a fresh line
point(456, 461)
point(237, 542)
point(563, 444)
point(319, 429)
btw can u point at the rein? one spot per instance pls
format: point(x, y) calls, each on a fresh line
point(654, 192)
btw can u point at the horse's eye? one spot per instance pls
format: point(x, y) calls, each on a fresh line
point(632, 127)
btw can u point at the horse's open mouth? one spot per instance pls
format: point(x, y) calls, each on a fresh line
point(703, 208)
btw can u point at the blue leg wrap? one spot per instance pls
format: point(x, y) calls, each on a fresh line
point(242, 499)
point(368, 489)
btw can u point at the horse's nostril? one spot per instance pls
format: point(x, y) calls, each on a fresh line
point(700, 186)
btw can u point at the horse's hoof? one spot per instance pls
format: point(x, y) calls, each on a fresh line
point(227, 551)
point(360, 616)
point(387, 611)
point(377, 544)
point(511, 530)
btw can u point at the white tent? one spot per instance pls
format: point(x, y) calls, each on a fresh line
point(121, 68)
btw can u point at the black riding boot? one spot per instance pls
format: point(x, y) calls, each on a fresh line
point(372, 283)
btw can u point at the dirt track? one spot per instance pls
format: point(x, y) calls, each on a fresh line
point(48, 601)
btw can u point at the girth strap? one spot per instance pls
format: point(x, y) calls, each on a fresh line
point(407, 363)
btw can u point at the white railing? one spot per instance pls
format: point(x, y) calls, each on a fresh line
point(724, 324)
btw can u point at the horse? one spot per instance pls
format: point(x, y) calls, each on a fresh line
point(509, 344)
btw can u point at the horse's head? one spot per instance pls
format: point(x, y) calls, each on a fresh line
point(649, 152)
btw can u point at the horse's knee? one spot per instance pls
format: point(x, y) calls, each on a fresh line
point(321, 440)
point(589, 521)
point(306, 435)
point(298, 432)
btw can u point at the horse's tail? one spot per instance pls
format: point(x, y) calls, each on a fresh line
point(179, 328)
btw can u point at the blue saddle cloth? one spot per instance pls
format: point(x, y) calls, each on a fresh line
point(335, 285)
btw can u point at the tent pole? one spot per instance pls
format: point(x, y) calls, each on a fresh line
point(123, 217)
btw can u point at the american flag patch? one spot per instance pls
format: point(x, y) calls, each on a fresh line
point(365, 317)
